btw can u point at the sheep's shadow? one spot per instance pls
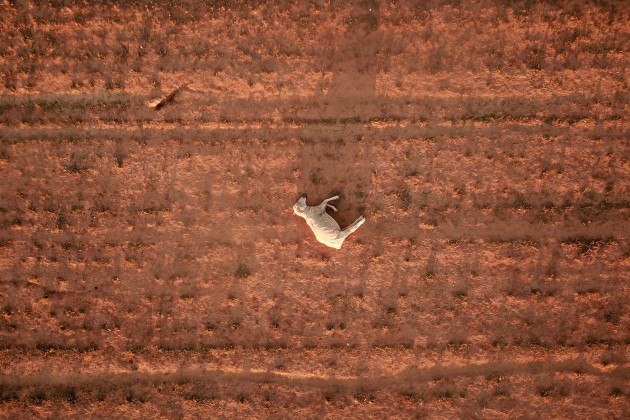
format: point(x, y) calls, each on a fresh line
point(341, 164)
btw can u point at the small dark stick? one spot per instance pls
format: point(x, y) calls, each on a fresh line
point(169, 98)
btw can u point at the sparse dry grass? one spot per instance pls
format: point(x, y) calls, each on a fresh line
point(149, 260)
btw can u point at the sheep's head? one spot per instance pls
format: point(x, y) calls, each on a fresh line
point(300, 206)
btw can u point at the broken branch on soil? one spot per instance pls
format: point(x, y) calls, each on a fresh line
point(168, 99)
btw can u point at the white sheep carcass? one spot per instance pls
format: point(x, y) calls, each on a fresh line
point(325, 228)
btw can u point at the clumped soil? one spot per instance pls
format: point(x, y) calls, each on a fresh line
point(150, 263)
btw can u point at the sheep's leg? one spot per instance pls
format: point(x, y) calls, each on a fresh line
point(324, 203)
point(331, 206)
point(354, 226)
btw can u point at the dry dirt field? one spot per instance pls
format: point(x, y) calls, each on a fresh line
point(151, 265)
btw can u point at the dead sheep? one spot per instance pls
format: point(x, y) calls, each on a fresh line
point(325, 228)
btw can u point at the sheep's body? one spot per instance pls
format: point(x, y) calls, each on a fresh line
point(325, 228)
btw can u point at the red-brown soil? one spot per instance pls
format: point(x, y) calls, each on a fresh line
point(151, 265)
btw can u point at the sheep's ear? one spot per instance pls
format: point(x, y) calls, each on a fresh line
point(302, 203)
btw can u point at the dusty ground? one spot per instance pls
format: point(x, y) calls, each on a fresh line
point(150, 263)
